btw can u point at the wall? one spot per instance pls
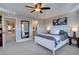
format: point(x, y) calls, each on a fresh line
point(18, 29)
point(73, 21)
point(18, 26)
point(41, 28)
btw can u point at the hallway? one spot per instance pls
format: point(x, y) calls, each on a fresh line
point(11, 37)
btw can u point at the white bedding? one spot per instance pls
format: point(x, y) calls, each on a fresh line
point(50, 44)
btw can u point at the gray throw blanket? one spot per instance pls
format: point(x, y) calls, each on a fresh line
point(62, 37)
point(49, 38)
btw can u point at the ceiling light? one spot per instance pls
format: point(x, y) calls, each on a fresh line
point(37, 9)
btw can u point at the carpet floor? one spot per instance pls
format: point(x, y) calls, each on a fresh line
point(31, 48)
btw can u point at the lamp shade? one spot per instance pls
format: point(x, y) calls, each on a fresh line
point(48, 29)
point(37, 9)
point(74, 29)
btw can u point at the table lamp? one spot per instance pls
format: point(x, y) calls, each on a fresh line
point(74, 30)
point(48, 29)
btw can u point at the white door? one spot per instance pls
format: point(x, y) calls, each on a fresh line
point(4, 30)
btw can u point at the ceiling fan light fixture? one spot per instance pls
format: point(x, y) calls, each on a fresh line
point(37, 9)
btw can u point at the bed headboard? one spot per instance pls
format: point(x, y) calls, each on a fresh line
point(63, 27)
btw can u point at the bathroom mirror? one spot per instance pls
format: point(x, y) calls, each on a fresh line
point(24, 29)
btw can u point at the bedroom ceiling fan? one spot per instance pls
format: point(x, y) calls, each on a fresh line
point(38, 8)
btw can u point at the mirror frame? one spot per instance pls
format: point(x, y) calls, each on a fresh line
point(21, 28)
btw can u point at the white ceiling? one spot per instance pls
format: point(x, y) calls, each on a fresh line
point(56, 9)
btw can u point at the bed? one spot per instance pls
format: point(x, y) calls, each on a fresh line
point(52, 41)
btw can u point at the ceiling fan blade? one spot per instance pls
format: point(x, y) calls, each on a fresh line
point(29, 6)
point(45, 8)
point(32, 11)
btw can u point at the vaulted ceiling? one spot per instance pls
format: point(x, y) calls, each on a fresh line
point(56, 9)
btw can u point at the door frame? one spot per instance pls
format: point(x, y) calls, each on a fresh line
point(4, 31)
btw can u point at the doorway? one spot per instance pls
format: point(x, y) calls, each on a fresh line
point(34, 28)
point(10, 30)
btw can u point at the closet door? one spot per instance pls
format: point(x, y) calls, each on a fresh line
point(0, 31)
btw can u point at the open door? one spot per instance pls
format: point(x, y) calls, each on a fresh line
point(10, 30)
point(34, 28)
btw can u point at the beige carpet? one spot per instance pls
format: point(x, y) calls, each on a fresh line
point(30, 48)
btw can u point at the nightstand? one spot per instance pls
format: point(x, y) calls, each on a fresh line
point(70, 40)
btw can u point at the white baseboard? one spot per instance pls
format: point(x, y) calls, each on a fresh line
point(22, 40)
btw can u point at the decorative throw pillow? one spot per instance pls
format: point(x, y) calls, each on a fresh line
point(61, 32)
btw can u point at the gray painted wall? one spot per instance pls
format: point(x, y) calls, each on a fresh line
point(18, 28)
point(73, 21)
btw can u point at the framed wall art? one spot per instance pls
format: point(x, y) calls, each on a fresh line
point(60, 21)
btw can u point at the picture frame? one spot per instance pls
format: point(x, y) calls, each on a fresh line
point(60, 21)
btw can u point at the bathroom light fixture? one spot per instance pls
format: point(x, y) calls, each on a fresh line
point(9, 27)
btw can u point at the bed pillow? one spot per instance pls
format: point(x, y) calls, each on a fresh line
point(61, 32)
point(55, 32)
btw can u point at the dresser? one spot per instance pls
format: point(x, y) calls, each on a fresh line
point(0, 31)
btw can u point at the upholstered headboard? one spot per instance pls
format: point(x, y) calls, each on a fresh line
point(65, 28)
